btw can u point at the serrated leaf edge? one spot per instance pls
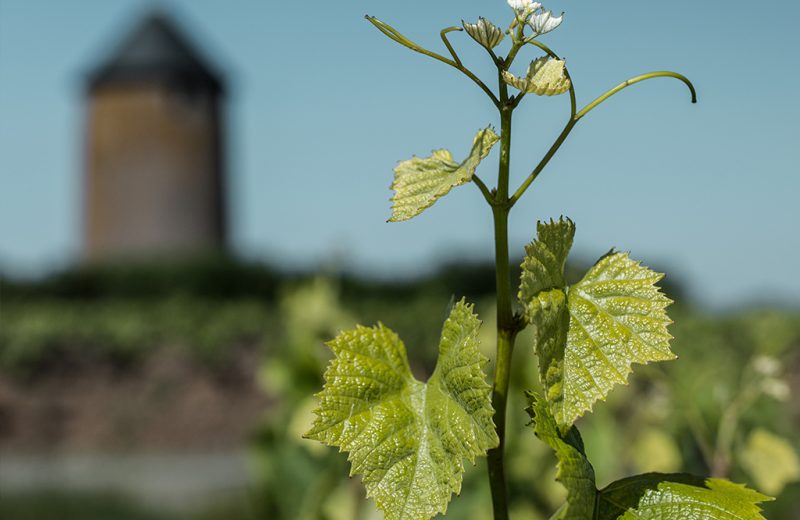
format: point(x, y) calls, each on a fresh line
point(485, 439)
point(482, 144)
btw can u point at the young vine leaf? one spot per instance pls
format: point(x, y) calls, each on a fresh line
point(718, 500)
point(419, 182)
point(407, 438)
point(588, 335)
point(651, 496)
point(546, 77)
point(574, 470)
point(484, 32)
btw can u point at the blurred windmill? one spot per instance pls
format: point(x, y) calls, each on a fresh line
point(154, 180)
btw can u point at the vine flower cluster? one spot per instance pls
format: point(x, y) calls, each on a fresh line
point(539, 19)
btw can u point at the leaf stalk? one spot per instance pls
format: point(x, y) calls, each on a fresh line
point(625, 84)
point(393, 34)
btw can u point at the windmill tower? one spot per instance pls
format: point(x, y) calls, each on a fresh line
point(154, 182)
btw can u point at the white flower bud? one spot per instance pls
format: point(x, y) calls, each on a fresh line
point(766, 365)
point(524, 8)
point(544, 22)
point(776, 388)
point(484, 32)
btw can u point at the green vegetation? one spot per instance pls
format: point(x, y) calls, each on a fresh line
point(62, 505)
point(408, 439)
point(667, 420)
point(37, 333)
point(444, 420)
point(722, 412)
point(664, 421)
point(58, 505)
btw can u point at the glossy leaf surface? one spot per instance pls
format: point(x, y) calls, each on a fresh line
point(651, 496)
point(574, 470)
point(546, 77)
point(419, 182)
point(588, 335)
point(407, 438)
point(717, 500)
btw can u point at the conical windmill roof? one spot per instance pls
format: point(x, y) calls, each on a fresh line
point(156, 52)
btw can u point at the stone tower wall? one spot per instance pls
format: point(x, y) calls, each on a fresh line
point(153, 172)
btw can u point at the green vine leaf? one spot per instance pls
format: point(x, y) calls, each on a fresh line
point(574, 470)
point(618, 497)
point(717, 500)
point(407, 438)
point(589, 335)
point(546, 258)
point(546, 77)
point(419, 182)
point(651, 496)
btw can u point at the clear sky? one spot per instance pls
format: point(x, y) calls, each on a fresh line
point(322, 107)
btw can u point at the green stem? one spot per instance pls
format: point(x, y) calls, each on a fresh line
point(393, 34)
point(650, 75)
point(518, 44)
point(572, 99)
point(726, 431)
point(576, 116)
point(497, 475)
point(546, 159)
point(507, 326)
point(505, 151)
point(487, 194)
point(443, 36)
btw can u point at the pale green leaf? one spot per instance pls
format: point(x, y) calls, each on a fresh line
point(717, 500)
point(546, 77)
point(771, 461)
point(419, 182)
point(546, 257)
point(651, 496)
point(574, 470)
point(617, 318)
point(484, 32)
point(624, 494)
point(588, 335)
point(407, 438)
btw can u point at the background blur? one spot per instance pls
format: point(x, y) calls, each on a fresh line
point(194, 195)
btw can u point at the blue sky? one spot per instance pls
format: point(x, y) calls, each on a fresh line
point(323, 106)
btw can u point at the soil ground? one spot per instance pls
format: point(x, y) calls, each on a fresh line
point(142, 429)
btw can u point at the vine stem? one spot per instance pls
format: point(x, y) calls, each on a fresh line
point(393, 34)
point(577, 116)
point(507, 326)
point(637, 79)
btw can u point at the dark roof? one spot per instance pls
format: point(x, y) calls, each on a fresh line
point(156, 52)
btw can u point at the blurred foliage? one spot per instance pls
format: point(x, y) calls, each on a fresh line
point(296, 478)
point(62, 505)
point(35, 335)
point(724, 407)
point(770, 460)
point(210, 277)
point(732, 377)
point(73, 505)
